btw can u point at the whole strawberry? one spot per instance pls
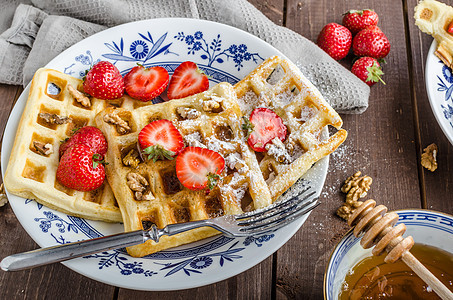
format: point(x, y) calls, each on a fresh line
point(335, 39)
point(356, 20)
point(368, 70)
point(88, 135)
point(372, 42)
point(104, 81)
point(81, 169)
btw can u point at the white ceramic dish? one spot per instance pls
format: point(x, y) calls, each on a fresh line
point(439, 86)
point(225, 54)
point(426, 227)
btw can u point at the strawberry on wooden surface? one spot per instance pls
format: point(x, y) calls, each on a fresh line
point(368, 70)
point(88, 135)
point(356, 20)
point(160, 140)
point(104, 81)
point(267, 125)
point(372, 42)
point(335, 40)
point(146, 84)
point(198, 168)
point(187, 80)
point(81, 169)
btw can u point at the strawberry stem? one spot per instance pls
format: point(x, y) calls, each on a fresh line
point(156, 152)
point(374, 73)
point(247, 126)
point(213, 179)
point(98, 159)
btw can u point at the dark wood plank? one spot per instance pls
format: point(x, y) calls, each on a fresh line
point(380, 144)
point(49, 282)
point(438, 186)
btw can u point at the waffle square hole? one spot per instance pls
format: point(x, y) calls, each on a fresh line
point(224, 133)
point(34, 172)
point(54, 87)
point(213, 206)
point(276, 75)
point(62, 188)
point(247, 202)
point(148, 220)
point(114, 103)
point(130, 155)
point(269, 172)
point(127, 116)
point(94, 196)
point(41, 120)
point(305, 113)
point(181, 213)
point(153, 117)
point(38, 142)
point(170, 181)
point(76, 123)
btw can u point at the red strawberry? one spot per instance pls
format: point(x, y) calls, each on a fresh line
point(187, 80)
point(450, 28)
point(88, 135)
point(356, 20)
point(335, 39)
point(368, 70)
point(81, 169)
point(146, 83)
point(372, 42)
point(267, 125)
point(160, 139)
point(104, 81)
point(197, 168)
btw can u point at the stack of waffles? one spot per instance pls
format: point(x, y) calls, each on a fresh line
point(212, 119)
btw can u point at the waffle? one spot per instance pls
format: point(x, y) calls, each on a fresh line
point(31, 173)
point(433, 18)
point(279, 85)
point(165, 200)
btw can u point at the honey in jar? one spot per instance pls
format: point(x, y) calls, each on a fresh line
point(372, 278)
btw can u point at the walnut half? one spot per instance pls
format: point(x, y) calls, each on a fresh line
point(44, 149)
point(429, 157)
point(79, 97)
point(131, 159)
point(121, 126)
point(355, 187)
point(54, 118)
point(139, 185)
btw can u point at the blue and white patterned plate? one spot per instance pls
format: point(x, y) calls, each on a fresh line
point(439, 86)
point(225, 54)
point(425, 226)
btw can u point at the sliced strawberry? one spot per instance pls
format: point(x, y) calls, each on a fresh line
point(104, 81)
point(266, 126)
point(146, 83)
point(197, 168)
point(88, 135)
point(187, 80)
point(81, 169)
point(160, 140)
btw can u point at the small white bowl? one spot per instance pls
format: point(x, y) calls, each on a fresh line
point(425, 226)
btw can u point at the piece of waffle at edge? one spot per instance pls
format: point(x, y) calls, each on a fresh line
point(304, 112)
point(242, 188)
point(31, 173)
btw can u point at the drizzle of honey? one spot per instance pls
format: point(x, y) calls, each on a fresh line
point(372, 278)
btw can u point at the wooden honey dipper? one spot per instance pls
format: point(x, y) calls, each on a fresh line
point(380, 231)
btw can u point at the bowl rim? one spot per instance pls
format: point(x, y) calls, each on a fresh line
point(352, 228)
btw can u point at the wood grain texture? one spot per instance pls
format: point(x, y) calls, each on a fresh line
point(380, 144)
point(438, 185)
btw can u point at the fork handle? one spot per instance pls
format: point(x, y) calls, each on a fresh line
point(39, 257)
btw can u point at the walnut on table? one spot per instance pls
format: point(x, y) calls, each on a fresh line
point(355, 187)
point(79, 97)
point(139, 185)
point(44, 149)
point(121, 126)
point(3, 198)
point(429, 157)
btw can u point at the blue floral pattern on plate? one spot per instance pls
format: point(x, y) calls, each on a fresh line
point(225, 55)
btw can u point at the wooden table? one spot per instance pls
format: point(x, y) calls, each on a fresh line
point(385, 143)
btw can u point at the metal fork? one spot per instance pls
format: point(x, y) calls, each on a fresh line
point(260, 221)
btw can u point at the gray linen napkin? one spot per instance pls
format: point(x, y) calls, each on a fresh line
point(40, 32)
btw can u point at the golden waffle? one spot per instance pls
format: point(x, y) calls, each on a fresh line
point(304, 112)
point(433, 18)
point(202, 124)
point(32, 173)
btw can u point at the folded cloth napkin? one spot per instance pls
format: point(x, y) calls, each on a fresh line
point(42, 30)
